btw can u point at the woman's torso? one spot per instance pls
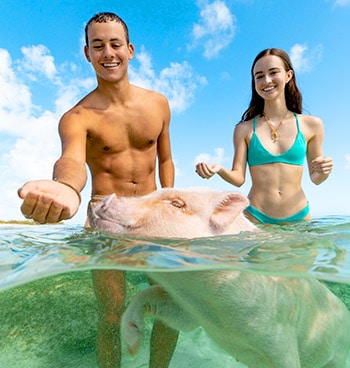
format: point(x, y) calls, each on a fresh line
point(276, 168)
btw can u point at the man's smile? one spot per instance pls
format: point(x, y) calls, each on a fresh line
point(110, 65)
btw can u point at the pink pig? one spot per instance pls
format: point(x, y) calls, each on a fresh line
point(262, 321)
point(174, 213)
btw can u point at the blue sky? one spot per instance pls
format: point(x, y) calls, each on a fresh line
point(197, 53)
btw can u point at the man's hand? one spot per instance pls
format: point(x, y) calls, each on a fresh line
point(48, 201)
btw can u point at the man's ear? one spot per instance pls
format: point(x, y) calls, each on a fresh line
point(131, 50)
point(86, 52)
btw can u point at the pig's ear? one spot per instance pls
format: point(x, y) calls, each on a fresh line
point(230, 206)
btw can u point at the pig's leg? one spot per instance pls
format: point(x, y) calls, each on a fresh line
point(157, 302)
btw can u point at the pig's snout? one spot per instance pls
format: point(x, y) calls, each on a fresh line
point(103, 208)
point(114, 214)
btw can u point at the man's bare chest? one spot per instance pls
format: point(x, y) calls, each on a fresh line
point(118, 133)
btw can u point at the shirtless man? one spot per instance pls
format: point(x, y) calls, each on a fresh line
point(118, 130)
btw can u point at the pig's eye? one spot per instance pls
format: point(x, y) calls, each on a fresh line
point(178, 203)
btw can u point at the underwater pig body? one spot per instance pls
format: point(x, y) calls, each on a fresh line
point(262, 321)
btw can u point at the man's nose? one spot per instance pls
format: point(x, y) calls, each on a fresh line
point(107, 51)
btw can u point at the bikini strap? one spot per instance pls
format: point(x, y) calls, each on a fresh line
point(297, 120)
point(254, 124)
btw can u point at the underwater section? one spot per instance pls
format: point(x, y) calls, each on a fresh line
point(48, 309)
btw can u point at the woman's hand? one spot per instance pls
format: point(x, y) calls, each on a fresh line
point(322, 165)
point(206, 171)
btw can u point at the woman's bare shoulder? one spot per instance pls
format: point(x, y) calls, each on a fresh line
point(311, 126)
point(310, 120)
point(244, 127)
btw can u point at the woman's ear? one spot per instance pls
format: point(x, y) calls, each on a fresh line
point(289, 76)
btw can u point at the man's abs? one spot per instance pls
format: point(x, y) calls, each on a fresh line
point(106, 183)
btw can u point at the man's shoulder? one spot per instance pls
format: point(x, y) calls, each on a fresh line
point(80, 115)
point(75, 112)
point(150, 94)
point(84, 106)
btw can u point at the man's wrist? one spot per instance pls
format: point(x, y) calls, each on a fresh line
point(70, 186)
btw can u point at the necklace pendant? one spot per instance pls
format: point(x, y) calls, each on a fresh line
point(274, 136)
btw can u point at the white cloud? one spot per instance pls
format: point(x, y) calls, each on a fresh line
point(303, 59)
point(341, 2)
point(217, 158)
point(31, 157)
point(37, 59)
point(15, 97)
point(347, 159)
point(177, 82)
point(178, 171)
point(215, 29)
point(34, 156)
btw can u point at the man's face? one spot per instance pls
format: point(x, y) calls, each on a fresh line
point(108, 50)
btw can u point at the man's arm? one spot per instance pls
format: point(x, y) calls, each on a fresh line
point(49, 201)
point(165, 161)
point(70, 168)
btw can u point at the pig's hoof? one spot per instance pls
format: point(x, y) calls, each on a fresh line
point(131, 335)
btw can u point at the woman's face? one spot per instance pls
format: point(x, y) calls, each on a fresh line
point(270, 77)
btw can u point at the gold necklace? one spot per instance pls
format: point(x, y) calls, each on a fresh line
point(274, 134)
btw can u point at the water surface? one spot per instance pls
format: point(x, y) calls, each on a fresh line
point(48, 309)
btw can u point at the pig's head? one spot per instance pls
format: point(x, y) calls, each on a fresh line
point(174, 213)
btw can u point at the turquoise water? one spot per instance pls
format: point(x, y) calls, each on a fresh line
point(48, 310)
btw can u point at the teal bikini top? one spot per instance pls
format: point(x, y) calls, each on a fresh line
point(259, 155)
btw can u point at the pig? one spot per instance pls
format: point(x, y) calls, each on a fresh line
point(262, 321)
point(170, 213)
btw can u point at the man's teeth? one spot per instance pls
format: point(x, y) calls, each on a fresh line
point(114, 64)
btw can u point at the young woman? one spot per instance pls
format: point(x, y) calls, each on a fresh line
point(274, 138)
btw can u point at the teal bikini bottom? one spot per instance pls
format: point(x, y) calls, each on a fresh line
point(265, 219)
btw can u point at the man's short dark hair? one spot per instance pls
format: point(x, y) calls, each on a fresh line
point(104, 18)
